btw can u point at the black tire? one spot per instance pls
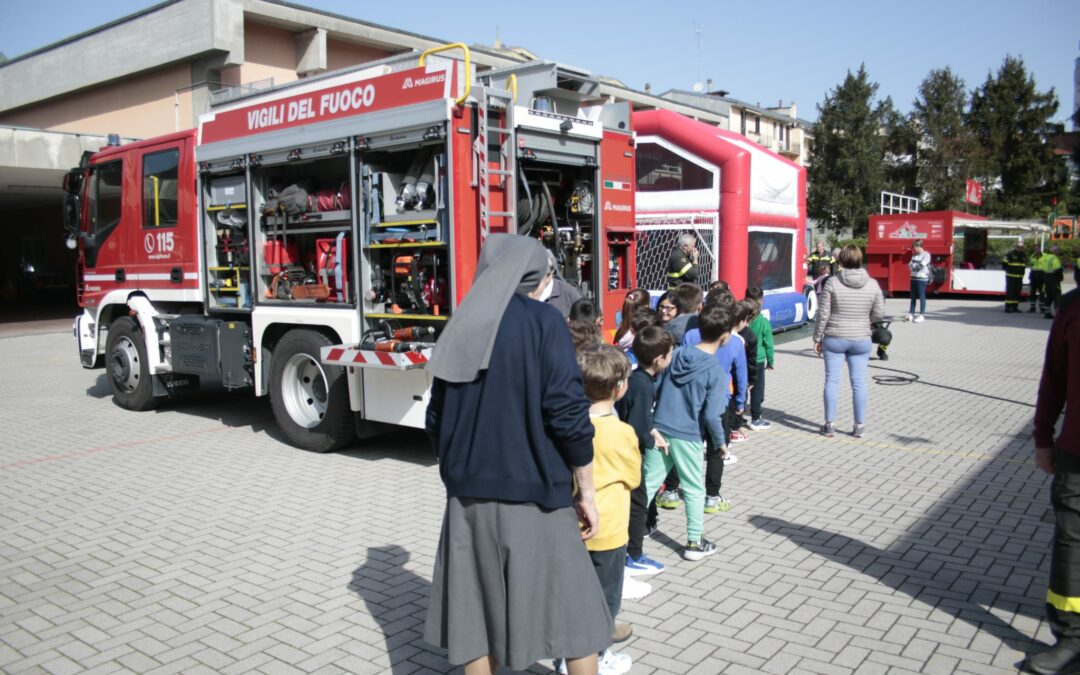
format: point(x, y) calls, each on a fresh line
point(310, 400)
point(128, 369)
point(811, 302)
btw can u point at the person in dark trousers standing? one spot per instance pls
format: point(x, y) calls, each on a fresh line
point(683, 263)
point(1053, 275)
point(921, 276)
point(1059, 389)
point(764, 359)
point(1035, 279)
point(652, 347)
point(1015, 263)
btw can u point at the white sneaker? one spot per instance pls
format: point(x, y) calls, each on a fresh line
point(560, 667)
point(613, 663)
point(907, 317)
point(920, 319)
point(632, 589)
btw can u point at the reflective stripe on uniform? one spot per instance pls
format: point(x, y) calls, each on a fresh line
point(1063, 603)
point(676, 275)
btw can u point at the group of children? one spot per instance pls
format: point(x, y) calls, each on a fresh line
point(665, 410)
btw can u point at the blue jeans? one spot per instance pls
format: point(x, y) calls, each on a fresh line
point(918, 290)
point(857, 355)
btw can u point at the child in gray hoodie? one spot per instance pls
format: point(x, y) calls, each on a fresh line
point(691, 395)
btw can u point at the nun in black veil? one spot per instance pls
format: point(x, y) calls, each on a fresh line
point(509, 420)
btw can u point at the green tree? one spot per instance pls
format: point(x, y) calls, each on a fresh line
point(1011, 121)
point(946, 147)
point(901, 141)
point(846, 171)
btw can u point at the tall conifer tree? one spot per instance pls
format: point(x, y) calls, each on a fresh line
point(946, 148)
point(1011, 121)
point(846, 171)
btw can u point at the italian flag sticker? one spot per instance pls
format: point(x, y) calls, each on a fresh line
point(616, 185)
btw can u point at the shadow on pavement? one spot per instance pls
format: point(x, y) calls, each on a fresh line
point(943, 580)
point(893, 377)
point(401, 444)
point(243, 409)
point(795, 422)
point(397, 599)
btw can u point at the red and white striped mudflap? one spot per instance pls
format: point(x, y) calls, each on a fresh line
point(346, 355)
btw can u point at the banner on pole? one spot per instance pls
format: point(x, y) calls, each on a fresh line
point(973, 192)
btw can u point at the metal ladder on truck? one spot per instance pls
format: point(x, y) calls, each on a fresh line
point(506, 175)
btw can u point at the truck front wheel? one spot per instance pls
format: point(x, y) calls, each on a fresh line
point(310, 400)
point(127, 367)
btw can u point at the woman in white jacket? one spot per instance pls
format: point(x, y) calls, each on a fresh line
point(850, 301)
point(920, 279)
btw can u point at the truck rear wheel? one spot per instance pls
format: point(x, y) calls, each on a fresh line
point(811, 302)
point(310, 400)
point(127, 367)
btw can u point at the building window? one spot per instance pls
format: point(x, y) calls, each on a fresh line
point(769, 260)
point(160, 179)
point(108, 179)
point(660, 169)
point(757, 124)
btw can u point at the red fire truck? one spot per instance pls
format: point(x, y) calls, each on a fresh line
point(310, 242)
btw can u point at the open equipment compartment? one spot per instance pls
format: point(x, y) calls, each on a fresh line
point(227, 238)
point(303, 201)
point(406, 235)
point(557, 205)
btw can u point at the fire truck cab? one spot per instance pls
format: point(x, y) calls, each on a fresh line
point(311, 242)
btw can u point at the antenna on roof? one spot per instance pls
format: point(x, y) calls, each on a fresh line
point(697, 29)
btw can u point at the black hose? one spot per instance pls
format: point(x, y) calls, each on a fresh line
point(559, 255)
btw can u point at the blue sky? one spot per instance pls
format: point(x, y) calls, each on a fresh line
point(759, 51)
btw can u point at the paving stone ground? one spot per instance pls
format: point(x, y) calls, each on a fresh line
point(193, 539)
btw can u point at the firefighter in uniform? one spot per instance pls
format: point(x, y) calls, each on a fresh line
point(683, 263)
point(1036, 279)
point(820, 262)
point(1015, 263)
point(1052, 275)
point(1059, 390)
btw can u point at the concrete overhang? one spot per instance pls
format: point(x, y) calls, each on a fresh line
point(33, 163)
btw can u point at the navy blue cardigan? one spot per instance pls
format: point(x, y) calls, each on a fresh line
point(513, 433)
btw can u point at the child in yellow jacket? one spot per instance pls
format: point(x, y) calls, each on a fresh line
point(616, 472)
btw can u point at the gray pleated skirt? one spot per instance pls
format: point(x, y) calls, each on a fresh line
point(514, 581)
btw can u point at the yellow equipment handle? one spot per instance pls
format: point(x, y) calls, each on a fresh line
point(157, 207)
point(447, 47)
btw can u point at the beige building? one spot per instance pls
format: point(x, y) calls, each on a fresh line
point(779, 129)
point(157, 71)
